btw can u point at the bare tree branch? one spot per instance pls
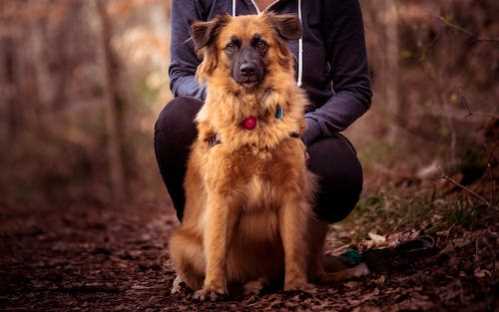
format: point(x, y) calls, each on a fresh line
point(465, 31)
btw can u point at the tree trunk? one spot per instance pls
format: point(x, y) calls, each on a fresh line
point(113, 108)
point(391, 63)
point(13, 111)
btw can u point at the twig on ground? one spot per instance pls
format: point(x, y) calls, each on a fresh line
point(468, 190)
point(476, 249)
point(490, 174)
point(464, 102)
point(492, 253)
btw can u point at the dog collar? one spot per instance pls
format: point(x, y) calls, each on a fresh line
point(249, 123)
point(215, 138)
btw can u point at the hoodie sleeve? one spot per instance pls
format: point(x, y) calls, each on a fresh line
point(183, 57)
point(350, 75)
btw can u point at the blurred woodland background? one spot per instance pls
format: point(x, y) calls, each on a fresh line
point(81, 83)
point(84, 215)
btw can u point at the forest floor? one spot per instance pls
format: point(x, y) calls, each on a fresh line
point(92, 258)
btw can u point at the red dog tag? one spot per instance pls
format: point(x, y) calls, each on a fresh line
point(249, 123)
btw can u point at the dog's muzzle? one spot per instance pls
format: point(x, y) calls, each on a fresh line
point(248, 69)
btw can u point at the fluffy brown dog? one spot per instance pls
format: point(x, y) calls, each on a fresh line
point(248, 210)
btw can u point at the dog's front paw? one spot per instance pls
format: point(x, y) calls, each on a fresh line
point(177, 285)
point(210, 293)
point(299, 286)
point(254, 288)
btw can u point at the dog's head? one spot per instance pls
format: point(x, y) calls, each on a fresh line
point(245, 48)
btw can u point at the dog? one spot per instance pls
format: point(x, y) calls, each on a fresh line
point(249, 194)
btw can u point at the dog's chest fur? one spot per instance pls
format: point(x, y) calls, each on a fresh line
point(262, 164)
point(263, 177)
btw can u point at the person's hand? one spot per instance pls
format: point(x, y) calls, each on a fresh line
point(312, 131)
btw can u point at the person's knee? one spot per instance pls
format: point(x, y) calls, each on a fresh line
point(179, 110)
point(166, 116)
point(340, 177)
point(335, 160)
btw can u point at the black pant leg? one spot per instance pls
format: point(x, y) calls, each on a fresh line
point(334, 161)
point(174, 133)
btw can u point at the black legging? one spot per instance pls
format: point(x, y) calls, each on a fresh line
point(333, 159)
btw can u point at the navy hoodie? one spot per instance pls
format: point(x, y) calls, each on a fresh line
point(331, 63)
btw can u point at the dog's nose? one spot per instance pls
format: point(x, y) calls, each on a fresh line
point(248, 69)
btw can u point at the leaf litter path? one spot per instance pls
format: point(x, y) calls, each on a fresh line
point(100, 259)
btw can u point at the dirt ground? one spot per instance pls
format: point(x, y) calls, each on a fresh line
point(91, 258)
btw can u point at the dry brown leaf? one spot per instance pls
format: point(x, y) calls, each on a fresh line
point(413, 304)
point(380, 280)
point(367, 308)
point(479, 273)
point(351, 284)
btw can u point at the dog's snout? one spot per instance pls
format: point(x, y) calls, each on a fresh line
point(248, 69)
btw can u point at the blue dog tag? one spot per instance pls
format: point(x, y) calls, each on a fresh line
point(279, 113)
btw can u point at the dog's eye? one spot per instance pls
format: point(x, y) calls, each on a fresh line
point(261, 45)
point(231, 47)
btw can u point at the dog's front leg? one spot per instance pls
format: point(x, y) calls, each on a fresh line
point(220, 219)
point(293, 226)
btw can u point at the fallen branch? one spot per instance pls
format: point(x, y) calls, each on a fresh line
point(468, 190)
point(490, 174)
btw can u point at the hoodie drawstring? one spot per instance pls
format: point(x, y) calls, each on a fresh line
point(300, 49)
point(300, 41)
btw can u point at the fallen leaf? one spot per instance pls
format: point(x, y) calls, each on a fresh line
point(479, 273)
point(377, 238)
point(351, 284)
point(367, 308)
point(380, 281)
point(414, 304)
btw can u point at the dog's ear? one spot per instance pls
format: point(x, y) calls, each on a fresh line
point(205, 33)
point(288, 26)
